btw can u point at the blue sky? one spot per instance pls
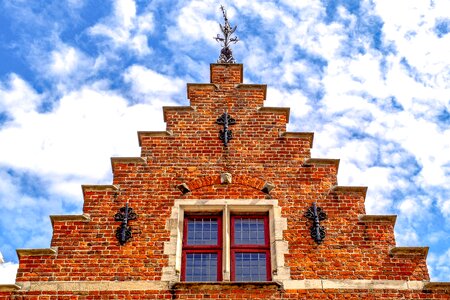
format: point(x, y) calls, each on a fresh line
point(79, 78)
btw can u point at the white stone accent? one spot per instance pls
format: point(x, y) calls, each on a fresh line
point(225, 178)
point(170, 248)
point(302, 284)
point(364, 284)
point(169, 274)
point(93, 285)
point(307, 284)
point(416, 285)
point(349, 284)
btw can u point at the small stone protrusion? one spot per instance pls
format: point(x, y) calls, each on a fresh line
point(183, 187)
point(267, 187)
point(225, 178)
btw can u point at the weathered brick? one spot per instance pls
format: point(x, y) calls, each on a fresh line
point(357, 259)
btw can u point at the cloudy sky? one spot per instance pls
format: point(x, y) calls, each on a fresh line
point(79, 78)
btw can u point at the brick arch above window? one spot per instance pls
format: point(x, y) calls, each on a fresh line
point(253, 182)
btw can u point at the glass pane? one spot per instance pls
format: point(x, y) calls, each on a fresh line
point(202, 231)
point(250, 266)
point(249, 231)
point(201, 267)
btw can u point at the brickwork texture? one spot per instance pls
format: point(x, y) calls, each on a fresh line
point(356, 248)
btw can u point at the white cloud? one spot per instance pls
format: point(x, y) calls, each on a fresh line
point(125, 28)
point(67, 67)
point(412, 33)
point(8, 273)
point(72, 144)
point(66, 60)
point(407, 236)
point(439, 266)
point(22, 209)
point(17, 97)
point(298, 103)
point(196, 21)
point(415, 209)
point(445, 207)
point(81, 119)
point(151, 84)
point(438, 236)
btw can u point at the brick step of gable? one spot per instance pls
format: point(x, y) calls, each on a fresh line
point(9, 287)
point(99, 187)
point(115, 161)
point(37, 252)
point(322, 161)
point(409, 251)
point(391, 219)
point(276, 110)
point(437, 286)
point(350, 189)
point(298, 135)
point(152, 134)
point(262, 87)
point(169, 110)
point(70, 218)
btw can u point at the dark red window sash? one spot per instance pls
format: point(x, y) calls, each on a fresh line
point(233, 262)
point(253, 246)
point(219, 262)
point(249, 247)
point(202, 248)
point(219, 232)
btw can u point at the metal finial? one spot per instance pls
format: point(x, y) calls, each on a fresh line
point(226, 55)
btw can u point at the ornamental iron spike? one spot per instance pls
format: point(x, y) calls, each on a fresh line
point(225, 134)
point(226, 55)
point(316, 214)
point(123, 232)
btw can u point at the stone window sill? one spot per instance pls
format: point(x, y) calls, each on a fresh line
point(226, 285)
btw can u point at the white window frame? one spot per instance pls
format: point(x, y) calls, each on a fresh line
point(277, 224)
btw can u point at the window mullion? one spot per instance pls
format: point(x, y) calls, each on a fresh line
point(226, 244)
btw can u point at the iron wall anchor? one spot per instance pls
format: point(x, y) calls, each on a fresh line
point(123, 232)
point(316, 214)
point(225, 135)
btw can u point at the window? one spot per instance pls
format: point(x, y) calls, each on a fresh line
point(250, 249)
point(203, 248)
point(229, 256)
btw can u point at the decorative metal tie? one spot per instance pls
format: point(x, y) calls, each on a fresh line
point(316, 214)
point(123, 232)
point(225, 134)
point(226, 55)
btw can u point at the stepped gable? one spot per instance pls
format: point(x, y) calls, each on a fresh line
point(187, 169)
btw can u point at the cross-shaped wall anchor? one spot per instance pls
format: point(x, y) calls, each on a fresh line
point(226, 120)
point(123, 232)
point(316, 214)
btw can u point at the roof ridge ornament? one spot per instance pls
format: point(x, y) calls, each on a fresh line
point(226, 55)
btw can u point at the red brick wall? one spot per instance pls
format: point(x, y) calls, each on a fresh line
point(192, 153)
point(237, 293)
